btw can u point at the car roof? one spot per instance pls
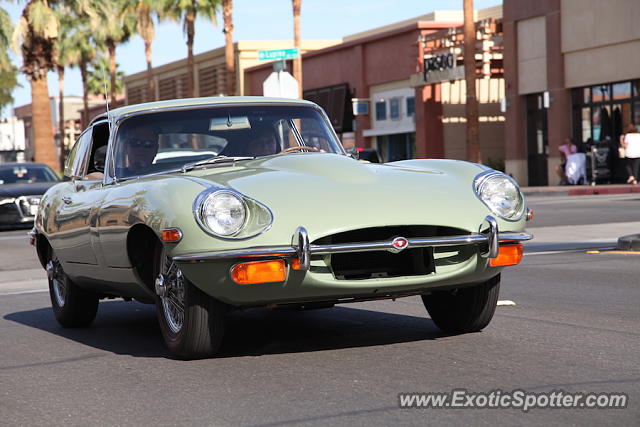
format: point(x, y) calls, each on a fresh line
point(195, 102)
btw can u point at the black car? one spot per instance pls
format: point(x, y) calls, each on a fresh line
point(21, 188)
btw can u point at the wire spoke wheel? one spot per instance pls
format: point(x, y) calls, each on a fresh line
point(58, 283)
point(72, 305)
point(173, 303)
point(191, 322)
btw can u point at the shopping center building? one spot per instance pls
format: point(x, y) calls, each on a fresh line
point(572, 69)
point(400, 88)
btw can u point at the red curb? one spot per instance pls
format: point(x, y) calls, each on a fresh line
point(604, 190)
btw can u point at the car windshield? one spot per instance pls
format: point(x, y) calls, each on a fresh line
point(168, 140)
point(26, 174)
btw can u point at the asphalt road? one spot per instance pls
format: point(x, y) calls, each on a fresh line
point(575, 327)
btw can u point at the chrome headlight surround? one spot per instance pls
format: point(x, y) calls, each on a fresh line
point(255, 217)
point(501, 194)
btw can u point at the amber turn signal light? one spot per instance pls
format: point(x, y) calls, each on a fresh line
point(249, 273)
point(295, 263)
point(171, 235)
point(509, 254)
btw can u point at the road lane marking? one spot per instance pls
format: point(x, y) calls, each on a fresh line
point(506, 302)
point(18, 237)
point(33, 291)
point(565, 251)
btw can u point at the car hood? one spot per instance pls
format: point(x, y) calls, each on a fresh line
point(329, 193)
point(32, 189)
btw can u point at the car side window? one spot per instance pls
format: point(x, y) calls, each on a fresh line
point(81, 158)
point(72, 157)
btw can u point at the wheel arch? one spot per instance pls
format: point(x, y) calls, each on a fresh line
point(43, 249)
point(142, 242)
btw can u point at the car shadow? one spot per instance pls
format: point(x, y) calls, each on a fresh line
point(131, 328)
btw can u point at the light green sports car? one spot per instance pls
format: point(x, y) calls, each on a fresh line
point(205, 205)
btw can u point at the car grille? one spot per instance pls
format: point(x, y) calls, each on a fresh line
point(9, 212)
point(382, 264)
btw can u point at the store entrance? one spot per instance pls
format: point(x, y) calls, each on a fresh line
point(537, 140)
point(396, 147)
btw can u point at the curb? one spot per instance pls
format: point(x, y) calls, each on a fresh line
point(580, 190)
point(629, 243)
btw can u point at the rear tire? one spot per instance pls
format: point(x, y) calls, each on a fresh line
point(72, 306)
point(192, 323)
point(465, 309)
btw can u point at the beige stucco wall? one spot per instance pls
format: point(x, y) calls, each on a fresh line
point(532, 55)
point(602, 65)
point(600, 41)
point(491, 120)
point(518, 168)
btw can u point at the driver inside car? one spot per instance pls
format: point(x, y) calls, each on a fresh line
point(264, 144)
point(139, 148)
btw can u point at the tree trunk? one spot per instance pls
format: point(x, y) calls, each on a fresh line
point(61, 127)
point(111, 46)
point(190, 26)
point(227, 10)
point(43, 145)
point(471, 106)
point(85, 94)
point(297, 62)
point(151, 84)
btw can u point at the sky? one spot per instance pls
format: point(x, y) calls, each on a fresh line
point(253, 20)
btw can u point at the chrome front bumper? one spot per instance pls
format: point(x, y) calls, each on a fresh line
point(302, 250)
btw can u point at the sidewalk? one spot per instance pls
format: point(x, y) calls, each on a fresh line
point(580, 190)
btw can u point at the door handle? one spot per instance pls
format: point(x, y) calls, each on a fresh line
point(66, 200)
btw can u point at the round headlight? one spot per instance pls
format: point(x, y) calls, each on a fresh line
point(501, 195)
point(224, 213)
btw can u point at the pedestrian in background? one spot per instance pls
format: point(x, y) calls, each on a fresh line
point(566, 150)
point(631, 145)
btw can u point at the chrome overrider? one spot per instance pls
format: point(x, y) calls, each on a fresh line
point(301, 248)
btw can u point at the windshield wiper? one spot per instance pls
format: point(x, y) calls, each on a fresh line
point(212, 161)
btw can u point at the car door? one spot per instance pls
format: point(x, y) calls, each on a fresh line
point(77, 211)
point(70, 237)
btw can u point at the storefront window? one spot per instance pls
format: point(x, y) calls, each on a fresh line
point(600, 93)
point(621, 90)
point(602, 112)
point(394, 108)
point(585, 124)
point(381, 110)
point(411, 105)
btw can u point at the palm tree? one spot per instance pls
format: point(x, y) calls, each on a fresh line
point(297, 62)
point(64, 57)
point(187, 11)
point(97, 83)
point(144, 9)
point(36, 33)
point(112, 23)
point(227, 10)
point(8, 79)
point(6, 30)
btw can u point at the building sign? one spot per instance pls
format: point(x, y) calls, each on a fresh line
point(278, 54)
point(455, 73)
point(441, 52)
point(438, 62)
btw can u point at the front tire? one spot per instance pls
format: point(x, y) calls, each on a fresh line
point(466, 309)
point(72, 306)
point(192, 323)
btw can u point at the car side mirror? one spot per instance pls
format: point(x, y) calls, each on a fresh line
point(99, 158)
point(353, 153)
